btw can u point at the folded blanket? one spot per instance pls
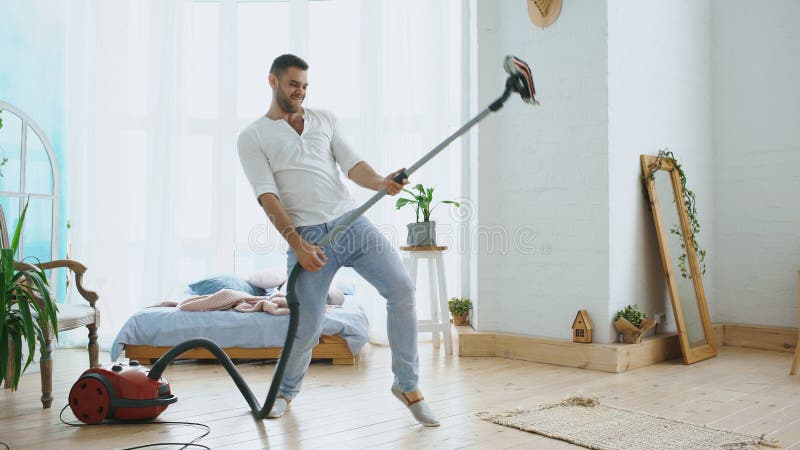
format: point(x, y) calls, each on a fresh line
point(240, 301)
point(226, 299)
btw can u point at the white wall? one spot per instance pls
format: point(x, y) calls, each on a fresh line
point(756, 109)
point(543, 167)
point(715, 82)
point(659, 77)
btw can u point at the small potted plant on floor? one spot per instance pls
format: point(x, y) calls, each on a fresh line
point(459, 308)
point(422, 233)
point(631, 323)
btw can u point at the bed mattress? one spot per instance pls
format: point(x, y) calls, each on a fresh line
point(167, 326)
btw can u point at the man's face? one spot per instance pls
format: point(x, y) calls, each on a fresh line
point(289, 88)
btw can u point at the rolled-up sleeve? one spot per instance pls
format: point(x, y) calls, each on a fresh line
point(344, 153)
point(256, 165)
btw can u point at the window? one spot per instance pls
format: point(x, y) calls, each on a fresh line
point(29, 175)
point(166, 111)
point(159, 196)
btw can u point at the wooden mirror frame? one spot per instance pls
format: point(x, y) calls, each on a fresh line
point(708, 350)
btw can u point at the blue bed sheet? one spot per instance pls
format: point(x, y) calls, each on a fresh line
point(164, 326)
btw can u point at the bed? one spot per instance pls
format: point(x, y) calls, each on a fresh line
point(151, 332)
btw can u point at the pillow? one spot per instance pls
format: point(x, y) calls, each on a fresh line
point(215, 284)
point(347, 286)
point(335, 297)
point(269, 278)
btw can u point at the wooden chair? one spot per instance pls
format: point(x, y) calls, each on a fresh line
point(796, 360)
point(69, 317)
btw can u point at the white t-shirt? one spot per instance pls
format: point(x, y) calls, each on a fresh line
point(300, 169)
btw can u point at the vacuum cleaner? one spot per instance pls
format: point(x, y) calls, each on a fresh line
point(130, 391)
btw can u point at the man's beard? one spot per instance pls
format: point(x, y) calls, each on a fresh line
point(286, 104)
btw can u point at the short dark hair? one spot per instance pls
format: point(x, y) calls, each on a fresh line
point(283, 62)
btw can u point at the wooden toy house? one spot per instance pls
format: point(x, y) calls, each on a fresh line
point(582, 327)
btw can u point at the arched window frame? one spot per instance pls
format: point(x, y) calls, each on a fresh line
point(22, 195)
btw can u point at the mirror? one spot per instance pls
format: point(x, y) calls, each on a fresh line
point(679, 258)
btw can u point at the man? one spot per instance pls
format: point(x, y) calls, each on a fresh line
point(290, 156)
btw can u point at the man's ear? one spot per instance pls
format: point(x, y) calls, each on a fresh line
point(273, 81)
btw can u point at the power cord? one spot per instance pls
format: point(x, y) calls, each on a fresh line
point(182, 444)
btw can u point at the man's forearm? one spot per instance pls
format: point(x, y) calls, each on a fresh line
point(365, 176)
point(280, 219)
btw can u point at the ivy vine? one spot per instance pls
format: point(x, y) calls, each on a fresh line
point(691, 210)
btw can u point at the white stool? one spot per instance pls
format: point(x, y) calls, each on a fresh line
point(440, 314)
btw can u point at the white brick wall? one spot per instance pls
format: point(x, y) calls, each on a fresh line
point(716, 82)
point(756, 109)
point(544, 167)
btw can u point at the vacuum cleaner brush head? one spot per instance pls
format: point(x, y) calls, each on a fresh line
point(521, 79)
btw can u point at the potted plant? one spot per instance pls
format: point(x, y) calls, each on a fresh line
point(28, 309)
point(631, 323)
point(459, 308)
point(422, 233)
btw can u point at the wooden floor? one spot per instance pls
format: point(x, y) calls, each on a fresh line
point(351, 407)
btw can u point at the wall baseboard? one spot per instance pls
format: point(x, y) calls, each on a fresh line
point(613, 358)
point(603, 357)
point(782, 339)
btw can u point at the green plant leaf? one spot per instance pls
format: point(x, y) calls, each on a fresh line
point(430, 195)
point(18, 229)
point(27, 323)
point(49, 315)
point(17, 339)
point(403, 202)
point(7, 266)
point(40, 336)
point(420, 188)
point(412, 194)
point(4, 332)
point(4, 297)
point(450, 202)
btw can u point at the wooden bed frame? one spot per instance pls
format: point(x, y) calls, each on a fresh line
point(329, 347)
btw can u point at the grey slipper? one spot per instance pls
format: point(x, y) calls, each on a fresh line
point(419, 408)
point(279, 407)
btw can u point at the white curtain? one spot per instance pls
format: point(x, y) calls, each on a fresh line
point(158, 91)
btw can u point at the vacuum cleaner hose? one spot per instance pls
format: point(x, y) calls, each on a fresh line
point(259, 411)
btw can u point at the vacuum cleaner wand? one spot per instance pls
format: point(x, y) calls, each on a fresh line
point(520, 81)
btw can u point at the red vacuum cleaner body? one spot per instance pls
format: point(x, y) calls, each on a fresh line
point(119, 391)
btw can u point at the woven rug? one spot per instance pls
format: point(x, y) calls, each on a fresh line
point(605, 427)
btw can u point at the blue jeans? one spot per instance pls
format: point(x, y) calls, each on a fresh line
point(362, 247)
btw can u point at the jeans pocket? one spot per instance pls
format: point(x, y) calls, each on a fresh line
point(311, 233)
